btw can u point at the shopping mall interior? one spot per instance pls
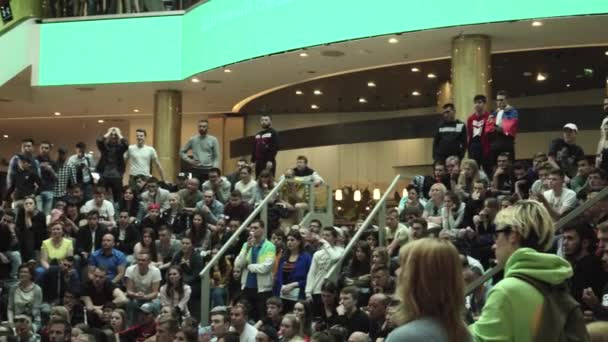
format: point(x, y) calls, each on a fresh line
point(360, 113)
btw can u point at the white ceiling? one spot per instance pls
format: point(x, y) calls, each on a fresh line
point(252, 78)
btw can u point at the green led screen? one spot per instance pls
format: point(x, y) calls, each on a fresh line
point(222, 32)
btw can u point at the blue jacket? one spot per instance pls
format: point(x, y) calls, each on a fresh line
point(299, 274)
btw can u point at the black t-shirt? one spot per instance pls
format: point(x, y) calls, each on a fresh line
point(587, 273)
point(101, 296)
point(288, 267)
point(268, 321)
point(566, 155)
point(357, 322)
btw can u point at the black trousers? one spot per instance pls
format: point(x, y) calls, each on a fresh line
point(115, 184)
point(260, 165)
point(201, 174)
point(257, 302)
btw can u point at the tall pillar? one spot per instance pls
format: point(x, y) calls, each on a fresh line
point(234, 128)
point(167, 130)
point(471, 71)
point(444, 95)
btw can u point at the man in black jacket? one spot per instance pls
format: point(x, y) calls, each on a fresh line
point(578, 245)
point(451, 136)
point(265, 147)
point(89, 238)
point(111, 166)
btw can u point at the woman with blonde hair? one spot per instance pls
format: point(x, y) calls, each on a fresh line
point(290, 329)
point(431, 289)
point(432, 208)
point(469, 173)
point(514, 307)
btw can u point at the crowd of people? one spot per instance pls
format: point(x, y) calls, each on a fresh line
point(85, 257)
point(78, 8)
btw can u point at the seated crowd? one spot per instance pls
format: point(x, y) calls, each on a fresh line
point(96, 259)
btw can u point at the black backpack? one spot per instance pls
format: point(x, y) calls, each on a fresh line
point(562, 318)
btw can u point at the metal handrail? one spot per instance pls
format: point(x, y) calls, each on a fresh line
point(204, 274)
point(380, 210)
point(558, 226)
point(311, 203)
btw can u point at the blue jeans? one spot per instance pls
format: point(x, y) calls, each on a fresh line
point(87, 191)
point(15, 258)
point(218, 296)
point(44, 201)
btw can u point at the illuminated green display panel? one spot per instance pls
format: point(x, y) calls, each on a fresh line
point(223, 32)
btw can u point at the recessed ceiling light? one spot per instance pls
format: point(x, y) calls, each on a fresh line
point(135, 110)
point(568, 85)
point(541, 77)
point(371, 84)
point(5, 136)
point(57, 113)
point(527, 73)
point(415, 93)
point(227, 70)
point(317, 92)
point(100, 121)
point(195, 80)
point(606, 53)
point(362, 100)
point(314, 106)
point(299, 92)
point(415, 69)
point(431, 75)
point(537, 23)
point(393, 40)
point(303, 54)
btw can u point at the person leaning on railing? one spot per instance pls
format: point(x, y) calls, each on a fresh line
point(523, 233)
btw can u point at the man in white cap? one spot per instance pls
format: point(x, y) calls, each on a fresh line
point(564, 153)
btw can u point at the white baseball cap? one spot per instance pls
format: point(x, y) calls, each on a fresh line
point(571, 126)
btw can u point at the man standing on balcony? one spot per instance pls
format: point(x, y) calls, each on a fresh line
point(501, 128)
point(451, 136)
point(205, 152)
point(478, 145)
point(111, 166)
point(141, 156)
point(265, 147)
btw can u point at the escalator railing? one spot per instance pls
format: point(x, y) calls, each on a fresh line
point(571, 216)
point(379, 212)
point(320, 206)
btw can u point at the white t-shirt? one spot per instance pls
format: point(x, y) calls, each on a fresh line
point(140, 159)
point(248, 334)
point(563, 203)
point(247, 190)
point(143, 283)
point(106, 210)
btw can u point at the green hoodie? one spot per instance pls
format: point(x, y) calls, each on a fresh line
point(513, 308)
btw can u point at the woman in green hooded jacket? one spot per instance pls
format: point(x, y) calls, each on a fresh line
point(513, 310)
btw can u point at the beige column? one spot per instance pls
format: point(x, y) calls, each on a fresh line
point(444, 95)
point(167, 130)
point(471, 71)
point(234, 128)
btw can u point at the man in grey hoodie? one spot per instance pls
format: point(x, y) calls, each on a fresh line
point(205, 152)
